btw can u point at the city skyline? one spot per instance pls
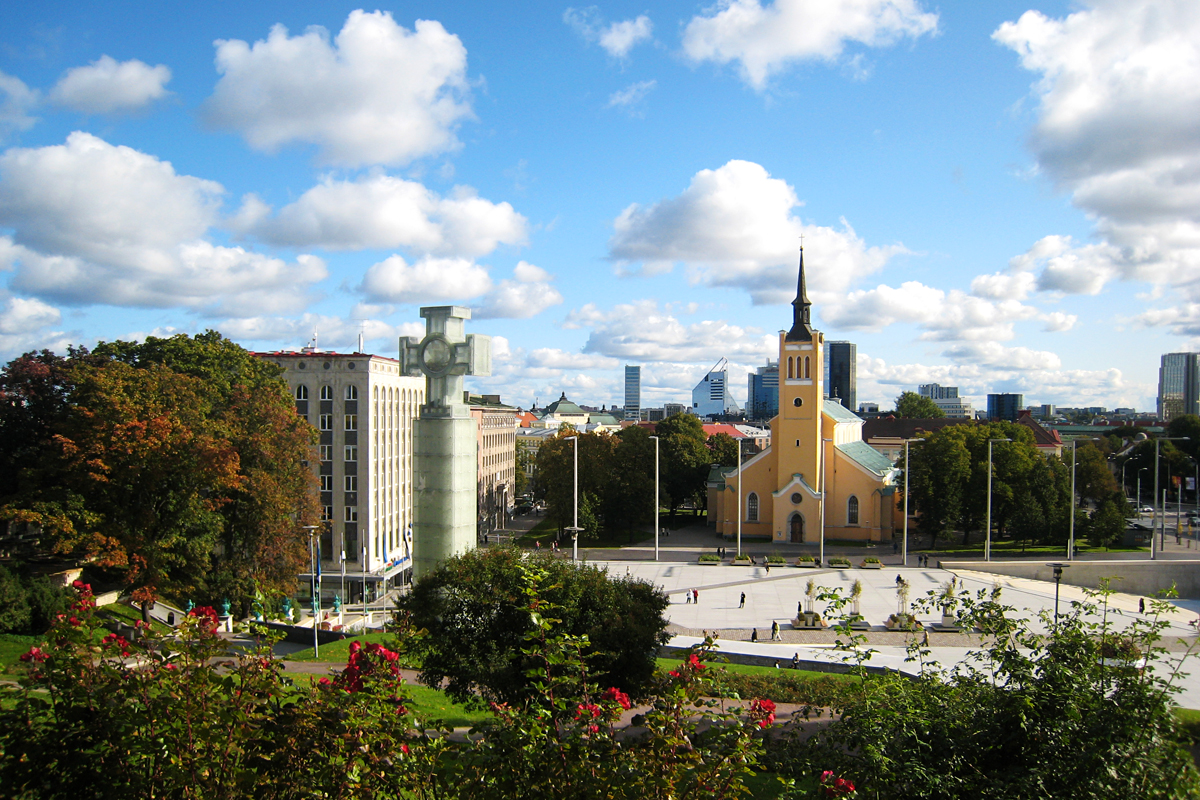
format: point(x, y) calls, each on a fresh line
point(1000, 197)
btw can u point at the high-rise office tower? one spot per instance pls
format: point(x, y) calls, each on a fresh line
point(711, 396)
point(762, 392)
point(841, 373)
point(633, 392)
point(1178, 385)
point(936, 391)
point(1005, 406)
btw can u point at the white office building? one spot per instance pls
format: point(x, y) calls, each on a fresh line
point(364, 409)
point(711, 396)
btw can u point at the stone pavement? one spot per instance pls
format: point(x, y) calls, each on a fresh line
point(774, 597)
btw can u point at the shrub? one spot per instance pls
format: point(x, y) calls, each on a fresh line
point(871, 560)
point(775, 558)
point(710, 558)
point(839, 561)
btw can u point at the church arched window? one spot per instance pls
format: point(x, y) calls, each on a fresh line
point(807, 375)
point(752, 507)
point(852, 511)
point(791, 368)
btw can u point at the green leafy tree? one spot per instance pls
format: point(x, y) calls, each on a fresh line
point(629, 500)
point(1093, 477)
point(525, 458)
point(1186, 425)
point(473, 606)
point(914, 406)
point(556, 473)
point(723, 449)
point(685, 459)
point(1106, 526)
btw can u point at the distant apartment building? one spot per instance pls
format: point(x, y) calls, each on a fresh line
point(633, 392)
point(1005, 406)
point(711, 397)
point(1178, 385)
point(671, 409)
point(936, 391)
point(955, 407)
point(841, 373)
point(762, 392)
point(363, 408)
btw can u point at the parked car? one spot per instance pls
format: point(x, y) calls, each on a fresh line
point(1146, 510)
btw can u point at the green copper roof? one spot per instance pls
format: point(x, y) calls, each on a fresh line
point(839, 413)
point(866, 456)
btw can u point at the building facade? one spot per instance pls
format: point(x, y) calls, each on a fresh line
point(936, 391)
point(1178, 385)
point(1005, 407)
point(762, 392)
point(711, 397)
point(633, 392)
point(955, 407)
point(363, 409)
point(496, 425)
point(816, 474)
point(841, 372)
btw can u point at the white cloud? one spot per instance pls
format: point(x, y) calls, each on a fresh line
point(16, 101)
point(766, 39)
point(734, 227)
point(333, 333)
point(618, 38)
point(23, 326)
point(380, 211)
point(527, 296)
point(642, 332)
point(379, 94)
point(994, 355)
point(1004, 286)
point(1058, 321)
point(95, 223)
point(1182, 319)
point(106, 86)
point(553, 358)
point(394, 280)
point(631, 95)
point(1119, 94)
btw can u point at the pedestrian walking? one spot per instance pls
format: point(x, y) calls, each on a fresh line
point(1141, 605)
point(754, 635)
point(688, 595)
point(767, 567)
point(742, 603)
point(796, 661)
point(695, 595)
point(775, 637)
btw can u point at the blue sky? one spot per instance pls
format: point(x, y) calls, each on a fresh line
point(1000, 196)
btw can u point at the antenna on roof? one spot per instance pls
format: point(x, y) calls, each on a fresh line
point(311, 347)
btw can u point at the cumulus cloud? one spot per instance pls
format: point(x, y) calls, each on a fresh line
point(764, 40)
point(734, 227)
point(97, 223)
point(618, 38)
point(643, 332)
point(106, 86)
point(377, 94)
point(631, 95)
point(996, 356)
point(16, 101)
point(528, 295)
point(1118, 97)
point(333, 333)
point(27, 324)
point(394, 280)
point(380, 211)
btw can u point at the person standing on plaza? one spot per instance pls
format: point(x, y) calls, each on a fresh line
point(754, 634)
point(695, 595)
point(742, 604)
point(775, 637)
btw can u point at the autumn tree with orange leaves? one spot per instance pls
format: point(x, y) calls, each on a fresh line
point(179, 464)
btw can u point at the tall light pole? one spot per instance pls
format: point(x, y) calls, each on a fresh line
point(1071, 535)
point(739, 501)
point(1139, 497)
point(1124, 485)
point(907, 497)
point(987, 543)
point(1161, 511)
point(575, 526)
point(655, 438)
point(824, 483)
point(316, 589)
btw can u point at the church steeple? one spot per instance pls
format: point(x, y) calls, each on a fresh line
point(801, 310)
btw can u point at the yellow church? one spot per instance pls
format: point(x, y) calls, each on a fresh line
point(816, 451)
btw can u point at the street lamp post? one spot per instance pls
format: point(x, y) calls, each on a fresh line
point(314, 575)
point(907, 497)
point(1161, 512)
point(987, 543)
point(1139, 484)
point(824, 484)
point(655, 438)
point(1071, 535)
point(739, 500)
point(575, 526)
point(1058, 571)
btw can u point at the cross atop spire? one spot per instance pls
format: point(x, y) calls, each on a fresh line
point(801, 310)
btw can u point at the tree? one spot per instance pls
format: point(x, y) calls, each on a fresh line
point(1186, 425)
point(1093, 478)
point(556, 472)
point(1106, 527)
point(723, 450)
point(473, 606)
point(525, 458)
point(914, 406)
point(685, 459)
point(629, 499)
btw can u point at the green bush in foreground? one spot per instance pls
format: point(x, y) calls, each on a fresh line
point(185, 717)
point(1065, 715)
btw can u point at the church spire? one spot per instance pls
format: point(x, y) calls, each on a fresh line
point(801, 310)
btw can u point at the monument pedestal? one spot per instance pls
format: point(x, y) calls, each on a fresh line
point(444, 467)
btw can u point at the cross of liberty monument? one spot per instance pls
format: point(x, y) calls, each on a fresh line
point(444, 437)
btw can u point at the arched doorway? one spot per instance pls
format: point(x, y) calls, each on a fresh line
point(796, 525)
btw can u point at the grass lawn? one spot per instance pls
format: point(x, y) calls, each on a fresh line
point(431, 704)
point(1190, 718)
point(339, 652)
point(12, 647)
point(1014, 550)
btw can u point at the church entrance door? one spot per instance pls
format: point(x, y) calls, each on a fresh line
point(797, 525)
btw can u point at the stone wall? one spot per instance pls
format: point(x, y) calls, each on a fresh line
point(1136, 576)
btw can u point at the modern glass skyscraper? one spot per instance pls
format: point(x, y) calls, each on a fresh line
point(841, 373)
point(1178, 385)
point(1005, 406)
point(633, 392)
point(711, 397)
point(762, 392)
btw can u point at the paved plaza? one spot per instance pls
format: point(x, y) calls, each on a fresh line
point(773, 597)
